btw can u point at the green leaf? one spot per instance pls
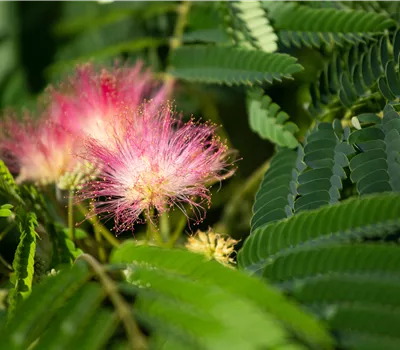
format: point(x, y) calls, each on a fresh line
point(266, 119)
point(301, 25)
point(8, 187)
point(275, 197)
point(248, 24)
point(71, 322)
point(354, 287)
point(29, 320)
point(374, 215)
point(209, 35)
point(231, 66)
point(325, 160)
point(376, 168)
point(151, 265)
point(5, 210)
point(64, 250)
point(23, 259)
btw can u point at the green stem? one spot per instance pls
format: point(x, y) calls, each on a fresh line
point(165, 228)
point(99, 227)
point(100, 247)
point(124, 310)
point(176, 40)
point(71, 223)
point(152, 233)
point(178, 231)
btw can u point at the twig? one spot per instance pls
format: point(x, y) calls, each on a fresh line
point(123, 309)
point(176, 40)
point(152, 233)
point(71, 223)
point(178, 231)
point(97, 225)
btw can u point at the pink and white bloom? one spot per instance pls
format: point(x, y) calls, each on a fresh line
point(161, 162)
point(94, 103)
point(40, 151)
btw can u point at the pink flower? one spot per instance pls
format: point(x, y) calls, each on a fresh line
point(39, 150)
point(94, 103)
point(161, 162)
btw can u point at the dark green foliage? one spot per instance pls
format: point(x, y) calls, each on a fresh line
point(267, 120)
point(304, 26)
point(323, 166)
point(307, 181)
point(275, 197)
point(354, 287)
point(231, 66)
point(29, 320)
point(368, 72)
point(64, 250)
point(376, 167)
point(373, 215)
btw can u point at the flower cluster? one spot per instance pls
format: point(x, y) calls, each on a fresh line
point(42, 149)
point(113, 137)
point(159, 163)
point(93, 103)
point(38, 150)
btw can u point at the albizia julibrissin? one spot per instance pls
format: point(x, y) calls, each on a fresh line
point(38, 150)
point(91, 101)
point(161, 162)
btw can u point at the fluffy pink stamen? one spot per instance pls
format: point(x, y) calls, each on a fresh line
point(39, 150)
point(161, 162)
point(91, 102)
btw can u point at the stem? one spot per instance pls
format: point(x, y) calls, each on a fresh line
point(123, 309)
point(71, 223)
point(176, 40)
point(178, 231)
point(99, 227)
point(152, 233)
point(165, 228)
point(102, 252)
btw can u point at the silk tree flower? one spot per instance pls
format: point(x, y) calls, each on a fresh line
point(41, 152)
point(160, 163)
point(93, 103)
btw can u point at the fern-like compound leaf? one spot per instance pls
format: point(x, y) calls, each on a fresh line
point(275, 197)
point(230, 65)
point(325, 159)
point(248, 25)
point(374, 215)
point(376, 168)
point(354, 287)
point(29, 321)
point(300, 25)
point(152, 268)
point(266, 119)
point(369, 71)
point(8, 187)
point(24, 259)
